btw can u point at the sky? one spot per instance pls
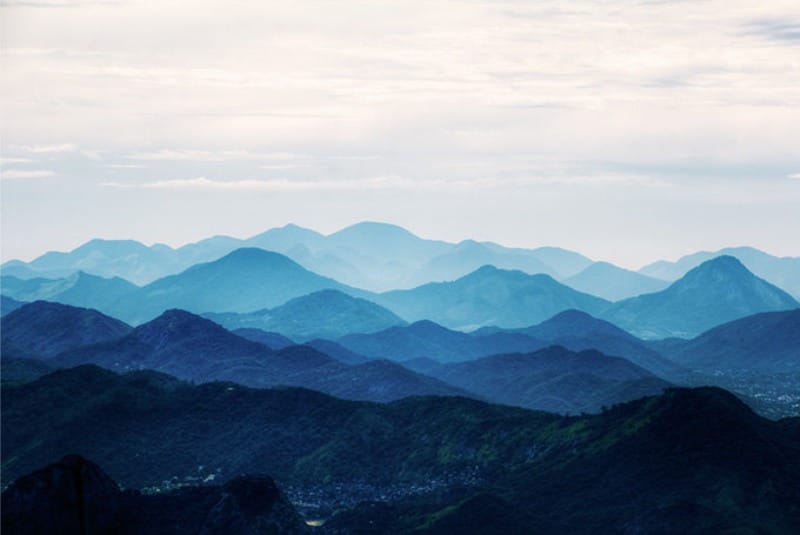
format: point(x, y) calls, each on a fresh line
point(629, 131)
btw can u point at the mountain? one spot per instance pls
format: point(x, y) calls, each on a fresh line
point(8, 305)
point(717, 291)
point(578, 331)
point(613, 283)
point(79, 289)
point(337, 351)
point(763, 343)
point(271, 340)
point(688, 461)
point(196, 349)
point(489, 296)
point(127, 259)
point(245, 280)
point(74, 496)
point(14, 370)
point(427, 339)
point(47, 329)
point(370, 255)
point(322, 314)
point(783, 272)
point(553, 379)
point(469, 255)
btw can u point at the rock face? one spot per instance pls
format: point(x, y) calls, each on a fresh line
point(73, 496)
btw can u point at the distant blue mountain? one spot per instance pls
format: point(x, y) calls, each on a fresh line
point(193, 348)
point(552, 379)
point(783, 272)
point(613, 283)
point(425, 339)
point(9, 305)
point(269, 339)
point(717, 291)
point(489, 296)
point(80, 289)
point(762, 343)
point(578, 331)
point(374, 256)
point(47, 329)
point(322, 314)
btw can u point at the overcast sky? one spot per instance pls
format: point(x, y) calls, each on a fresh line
point(629, 130)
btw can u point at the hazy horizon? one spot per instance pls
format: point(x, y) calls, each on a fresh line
point(628, 132)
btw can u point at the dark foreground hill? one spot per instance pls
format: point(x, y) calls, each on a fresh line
point(75, 497)
point(688, 461)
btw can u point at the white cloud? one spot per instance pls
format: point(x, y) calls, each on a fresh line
point(49, 149)
point(391, 183)
point(795, 176)
point(13, 174)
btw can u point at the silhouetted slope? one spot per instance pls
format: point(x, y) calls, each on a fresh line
point(322, 314)
point(9, 305)
point(767, 342)
point(613, 283)
point(489, 296)
point(79, 289)
point(713, 293)
point(271, 340)
point(783, 272)
point(196, 349)
point(579, 331)
point(46, 329)
point(693, 460)
point(242, 281)
point(16, 370)
point(553, 379)
point(74, 496)
point(427, 339)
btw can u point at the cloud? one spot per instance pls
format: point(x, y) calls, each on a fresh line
point(209, 156)
point(392, 183)
point(787, 31)
point(49, 149)
point(795, 176)
point(4, 160)
point(14, 174)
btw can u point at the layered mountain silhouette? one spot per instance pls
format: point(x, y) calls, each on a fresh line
point(8, 305)
point(79, 289)
point(613, 283)
point(426, 339)
point(783, 272)
point(579, 331)
point(553, 379)
point(322, 314)
point(489, 296)
point(696, 460)
point(762, 343)
point(370, 255)
point(193, 348)
point(74, 496)
point(715, 292)
point(46, 329)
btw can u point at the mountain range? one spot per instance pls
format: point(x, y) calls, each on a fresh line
point(693, 460)
point(489, 296)
point(783, 272)
point(715, 292)
point(374, 256)
point(322, 314)
point(553, 379)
